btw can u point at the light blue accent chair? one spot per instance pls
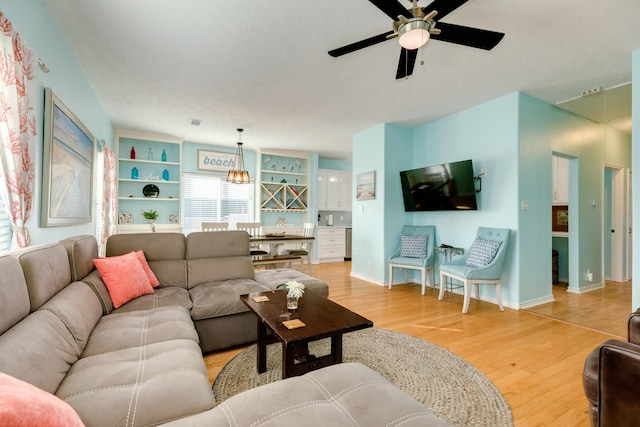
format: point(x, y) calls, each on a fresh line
point(487, 275)
point(425, 265)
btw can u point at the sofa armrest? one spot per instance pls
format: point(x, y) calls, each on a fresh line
point(633, 327)
point(618, 376)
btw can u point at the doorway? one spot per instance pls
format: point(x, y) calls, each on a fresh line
point(614, 229)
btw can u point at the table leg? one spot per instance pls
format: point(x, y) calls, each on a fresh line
point(288, 360)
point(262, 347)
point(336, 348)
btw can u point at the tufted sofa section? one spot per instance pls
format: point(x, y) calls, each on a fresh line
point(143, 368)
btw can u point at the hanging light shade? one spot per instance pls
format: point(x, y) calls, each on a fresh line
point(238, 175)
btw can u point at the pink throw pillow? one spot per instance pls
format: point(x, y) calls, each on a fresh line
point(153, 280)
point(124, 277)
point(22, 404)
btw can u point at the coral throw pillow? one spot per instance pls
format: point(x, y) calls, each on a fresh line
point(22, 404)
point(124, 277)
point(153, 280)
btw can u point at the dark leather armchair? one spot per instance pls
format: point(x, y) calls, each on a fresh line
point(611, 373)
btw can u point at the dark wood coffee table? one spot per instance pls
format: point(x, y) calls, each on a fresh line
point(323, 319)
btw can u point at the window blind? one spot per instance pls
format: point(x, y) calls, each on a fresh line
point(5, 228)
point(213, 199)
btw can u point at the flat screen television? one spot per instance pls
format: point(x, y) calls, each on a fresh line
point(445, 187)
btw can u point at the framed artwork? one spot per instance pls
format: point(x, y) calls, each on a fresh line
point(67, 165)
point(125, 218)
point(366, 186)
point(216, 161)
point(174, 218)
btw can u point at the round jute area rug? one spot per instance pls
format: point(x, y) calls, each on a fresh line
point(442, 381)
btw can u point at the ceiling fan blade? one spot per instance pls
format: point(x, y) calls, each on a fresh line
point(406, 63)
point(359, 45)
point(392, 8)
point(467, 36)
point(444, 7)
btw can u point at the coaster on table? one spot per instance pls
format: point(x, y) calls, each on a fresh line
point(261, 298)
point(293, 324)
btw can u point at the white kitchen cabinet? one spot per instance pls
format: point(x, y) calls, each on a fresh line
point(334, 190)
point(560, 180)
point(331, 244)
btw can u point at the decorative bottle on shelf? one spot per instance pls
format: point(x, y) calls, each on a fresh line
point(164, 156)
point(134, 173)
point(150, 154)
point(132, 153)
point(165, 175)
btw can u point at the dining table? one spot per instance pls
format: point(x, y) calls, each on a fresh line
point(276, 240)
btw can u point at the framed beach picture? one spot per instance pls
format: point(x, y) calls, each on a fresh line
point(216, 161)
point(67, 165)
point(366, 186)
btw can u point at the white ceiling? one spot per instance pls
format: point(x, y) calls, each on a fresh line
point(263, 65)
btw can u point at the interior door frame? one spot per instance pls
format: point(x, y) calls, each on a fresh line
point(619, 236)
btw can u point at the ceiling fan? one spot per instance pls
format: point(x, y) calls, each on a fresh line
point(415, 26)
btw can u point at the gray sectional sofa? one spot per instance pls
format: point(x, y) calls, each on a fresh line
point(142, 364)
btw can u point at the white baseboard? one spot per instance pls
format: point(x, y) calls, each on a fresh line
point(368, 279)
point(536, 302)
point(584, 289)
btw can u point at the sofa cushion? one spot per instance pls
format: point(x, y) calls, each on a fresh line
point(153, 280)
point(156, 246)
point(222, 298)
point(139, 386)
point(203, 244)
point(46, 271)
point(81, 251)
point(138, 328)
point(22, 404)
point(124, 276)
point(273, 277)
point(95, 282)
point(164, 296)
point(347, 394)
point(204, 271)
point(45, 342)
point(14, 297)
point(79, 322)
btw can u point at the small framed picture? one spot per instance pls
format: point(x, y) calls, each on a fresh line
point(125, 218)
point(173, 218)
point(366, 186)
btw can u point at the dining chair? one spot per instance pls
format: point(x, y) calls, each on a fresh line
point(215, 226)
point(305, 247)
point(254, 229)
point(482, 265)
point(415, 253)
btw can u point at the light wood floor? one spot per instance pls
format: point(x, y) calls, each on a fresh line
point(534, 360)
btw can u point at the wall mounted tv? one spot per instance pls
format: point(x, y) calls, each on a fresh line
point(445, 187)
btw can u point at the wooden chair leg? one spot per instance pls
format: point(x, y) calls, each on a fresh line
point(423, 277)
point(390, 275)
point(442, 286)
point(499, 296)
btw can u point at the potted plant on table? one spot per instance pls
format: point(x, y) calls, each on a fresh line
point(295, 291)
point(151, 217)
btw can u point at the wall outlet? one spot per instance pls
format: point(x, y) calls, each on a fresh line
point(589, 276)
point(483, 172)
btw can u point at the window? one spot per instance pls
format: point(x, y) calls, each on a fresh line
point(211, 198)
point(5, 228)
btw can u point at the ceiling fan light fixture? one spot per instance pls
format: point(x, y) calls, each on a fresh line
point(239, 175)
point(414, 34)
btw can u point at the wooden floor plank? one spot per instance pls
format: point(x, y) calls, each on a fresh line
point(534, 359)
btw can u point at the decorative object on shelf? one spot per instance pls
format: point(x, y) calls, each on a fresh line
point(299, 163)
point(125, 218)
point(295, 291)
point(283, 181)
point(151, 190)
point(165, 175)
point(151, 217)
point(238, 175)
point(134, 173)
point(132, 153)
point(150, 154)
point(366, 186)
point(164, 156)
point(282, 222)
point(173, 218)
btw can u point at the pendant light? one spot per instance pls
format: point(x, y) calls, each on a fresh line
point(238, 175)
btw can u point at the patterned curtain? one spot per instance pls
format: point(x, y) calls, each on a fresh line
point(109, 196)
point(17, 130)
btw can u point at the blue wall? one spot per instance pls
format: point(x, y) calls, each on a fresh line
point(33, 22)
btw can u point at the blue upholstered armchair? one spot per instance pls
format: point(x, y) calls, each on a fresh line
point(482, 265)
point(415, 252)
